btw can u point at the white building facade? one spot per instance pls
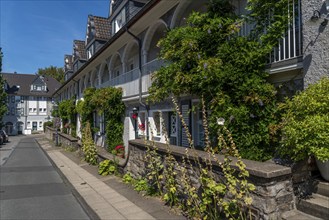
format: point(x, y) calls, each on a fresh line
point(29, 102)
point(127, 56)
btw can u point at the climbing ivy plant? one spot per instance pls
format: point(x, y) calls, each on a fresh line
point(209, 57)
point(107, 101)
point(67, 112)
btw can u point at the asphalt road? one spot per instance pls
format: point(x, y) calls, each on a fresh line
point(30, 187)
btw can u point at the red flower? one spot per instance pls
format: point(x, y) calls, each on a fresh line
point(141, 127)
point(119, 147)
point(134, 116)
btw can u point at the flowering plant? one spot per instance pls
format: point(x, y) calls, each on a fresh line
point(119, 150)
point(134, 116)
point(141, 127)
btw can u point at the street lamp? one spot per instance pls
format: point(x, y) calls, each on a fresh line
point(56, 123)
point(135, 114)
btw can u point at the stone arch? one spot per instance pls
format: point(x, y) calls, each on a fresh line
point(104, 73)
point(154, 33)
point(130, 55)
point(82, 84)
point(184, 8)
point(116, 67)
point(88, 80)
point(93, 79)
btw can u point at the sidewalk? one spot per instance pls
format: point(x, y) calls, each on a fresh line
point(107, 196)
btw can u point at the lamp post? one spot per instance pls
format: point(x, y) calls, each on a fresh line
point(135, 114)
point(56, 123)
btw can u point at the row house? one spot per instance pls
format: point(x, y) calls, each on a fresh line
point(121, 51)
point(29, 102)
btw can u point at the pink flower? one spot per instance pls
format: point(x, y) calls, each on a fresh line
point(134, 115)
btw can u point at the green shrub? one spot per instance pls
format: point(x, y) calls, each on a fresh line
point(107, 167)
point(88, 146)
point(306, 123)
point(127, 178)
point(47, 124)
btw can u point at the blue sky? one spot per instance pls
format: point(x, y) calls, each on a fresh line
point(37, 33)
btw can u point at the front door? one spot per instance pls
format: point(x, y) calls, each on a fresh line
point(9, 128)
point(173, 128)
point(34, 126)
point(20, 127)
point(185, 110)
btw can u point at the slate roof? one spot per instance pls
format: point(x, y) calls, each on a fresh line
point(24, 82)
point(103, 28)
point(79, 50)
point(98, 28)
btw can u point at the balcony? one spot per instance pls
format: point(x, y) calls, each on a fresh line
point(129, 81)
point(290, 45)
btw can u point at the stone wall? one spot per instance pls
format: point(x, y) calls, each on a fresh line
point(63, 139)
point(274, 189)
point(274, 183)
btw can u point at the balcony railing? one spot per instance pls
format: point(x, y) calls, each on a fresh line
point(129, 81)
point(290, 45)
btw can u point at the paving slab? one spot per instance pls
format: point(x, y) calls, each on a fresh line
point(108, 196)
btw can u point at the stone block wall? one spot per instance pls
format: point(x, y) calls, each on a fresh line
point(63, 139)
point(274, 188)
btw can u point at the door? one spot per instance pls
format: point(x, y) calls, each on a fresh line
point(20, 127)
point(172, 128)
point(9, 128)
point(185, 110)
point(34, 126)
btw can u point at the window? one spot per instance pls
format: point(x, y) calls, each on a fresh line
point(119, 21)
point(22, 111)
point(18, 111)
point(34, 110)
point(44, 110)
point(157, 123)
point(40, 123)
point(13, 99)
point(30, 109)
point(90, 51)
point(13, 111)
point(22, 99)
point(40, 109)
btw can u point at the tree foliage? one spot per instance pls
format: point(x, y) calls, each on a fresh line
point(3, 95)
point(52, 71)
point(209, 57)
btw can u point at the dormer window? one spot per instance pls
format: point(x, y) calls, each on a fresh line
point(119, 21)
point(38, 88)
point(90, 51)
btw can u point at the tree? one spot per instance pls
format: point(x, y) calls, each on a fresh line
point(209, 58)
point(3, 95)
point(52, 71)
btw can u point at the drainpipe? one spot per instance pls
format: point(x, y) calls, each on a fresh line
point(140, 81)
